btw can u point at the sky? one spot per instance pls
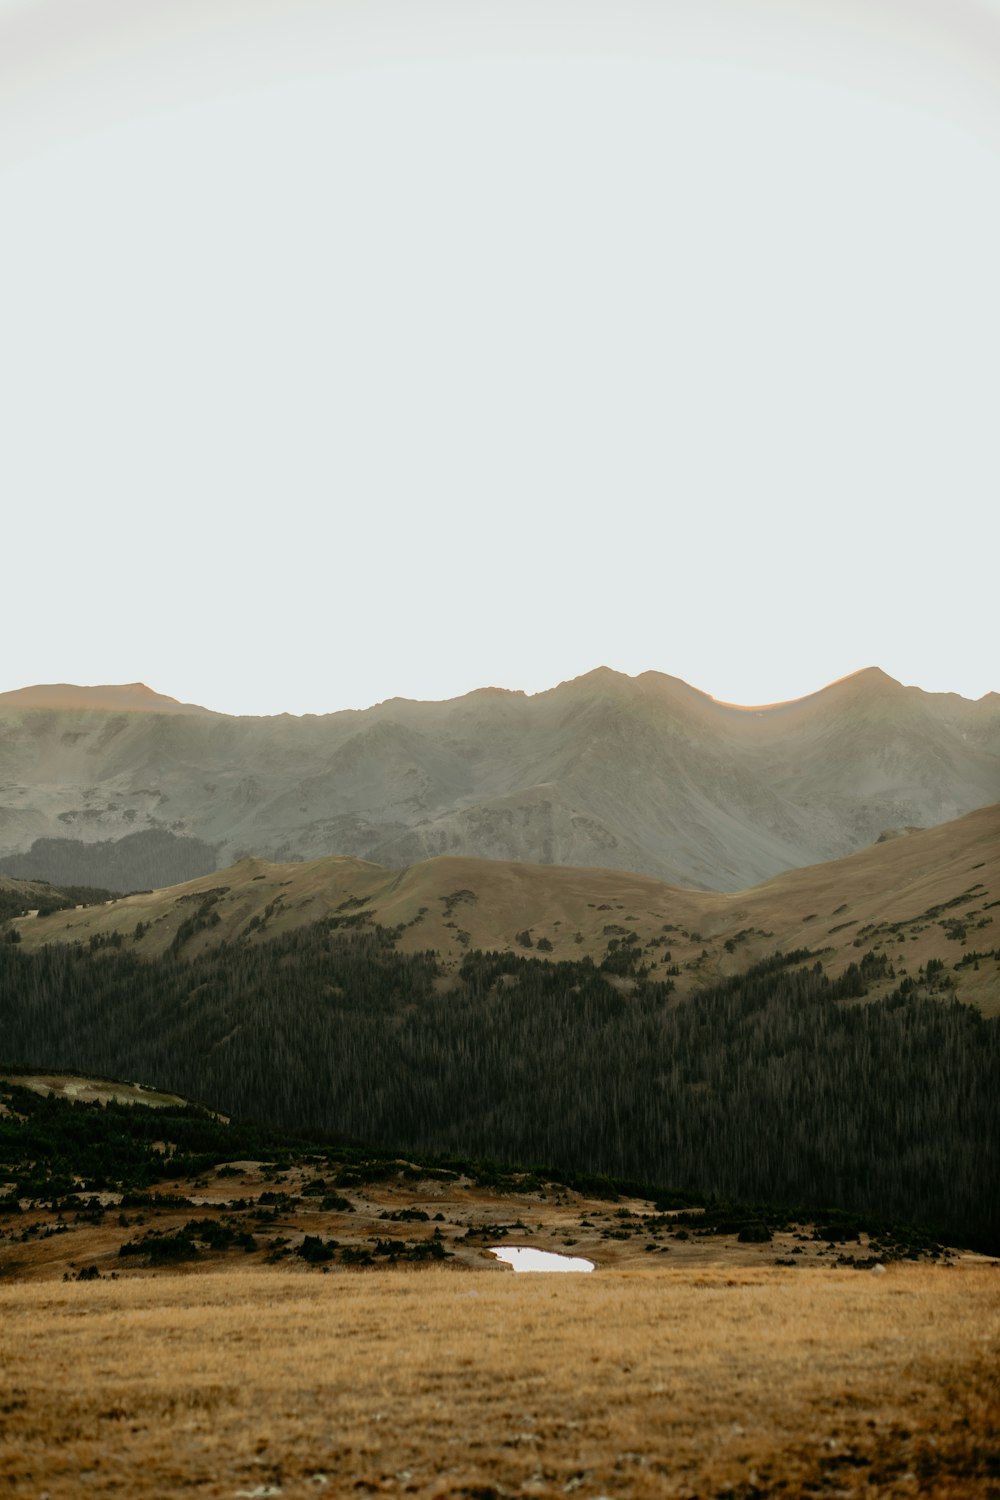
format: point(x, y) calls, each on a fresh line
point(361, 348)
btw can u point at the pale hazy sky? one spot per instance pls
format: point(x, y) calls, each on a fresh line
point(353, 348)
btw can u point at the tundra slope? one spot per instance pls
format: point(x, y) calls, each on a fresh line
point(931, 897)
point(642, 774)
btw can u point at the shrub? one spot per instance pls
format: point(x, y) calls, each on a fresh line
point(314, 1250)
point(336, 1200)
point(161, 1251)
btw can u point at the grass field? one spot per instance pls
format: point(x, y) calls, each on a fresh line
point(458, 1382)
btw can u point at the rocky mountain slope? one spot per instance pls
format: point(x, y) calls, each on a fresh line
point(924, 904)
point(642, 774)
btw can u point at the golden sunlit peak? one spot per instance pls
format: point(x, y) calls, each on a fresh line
point(865, 677)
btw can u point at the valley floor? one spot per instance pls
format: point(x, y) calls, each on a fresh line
point(666, 1381)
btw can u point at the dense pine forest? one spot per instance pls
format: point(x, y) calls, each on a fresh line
point(780, 1084)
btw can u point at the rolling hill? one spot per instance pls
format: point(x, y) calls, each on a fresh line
point(930, 896)
point(640, 774)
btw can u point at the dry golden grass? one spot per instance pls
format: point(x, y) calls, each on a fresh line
point(449, 1382)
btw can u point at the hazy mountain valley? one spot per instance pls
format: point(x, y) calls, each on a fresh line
point(435, 1065)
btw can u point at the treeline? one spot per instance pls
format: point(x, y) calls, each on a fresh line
point(52, 1146)
point(778, 1085)
point(141, 861)
point(18, 899)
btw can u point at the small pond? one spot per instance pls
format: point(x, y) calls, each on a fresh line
point(523, 1258)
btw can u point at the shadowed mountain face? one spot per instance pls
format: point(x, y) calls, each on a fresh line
point(644, 774)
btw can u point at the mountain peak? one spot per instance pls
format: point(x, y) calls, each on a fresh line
point(598, 677)
point(869, 677)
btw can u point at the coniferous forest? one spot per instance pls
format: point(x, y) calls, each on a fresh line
point(780, 1084)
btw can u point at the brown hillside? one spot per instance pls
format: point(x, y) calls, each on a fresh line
point(932, 894)
point(22, 892)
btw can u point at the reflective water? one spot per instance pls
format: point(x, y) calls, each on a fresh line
point(523, 1258)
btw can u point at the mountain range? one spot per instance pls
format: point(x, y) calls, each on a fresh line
point(119, 786)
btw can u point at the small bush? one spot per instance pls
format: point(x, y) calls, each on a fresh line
point(315, 1251)
point(755, 1233)
point(337, 1201)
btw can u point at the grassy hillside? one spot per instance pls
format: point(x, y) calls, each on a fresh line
point(928, 897)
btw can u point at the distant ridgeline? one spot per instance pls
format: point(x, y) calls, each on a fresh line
point(137, 862)
point(645, 774)
point(779, 1085)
